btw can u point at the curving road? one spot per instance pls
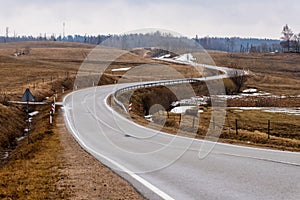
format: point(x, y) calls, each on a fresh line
point(163, 166)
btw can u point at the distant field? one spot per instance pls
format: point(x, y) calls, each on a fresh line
point(45, 64)
point(275, 73)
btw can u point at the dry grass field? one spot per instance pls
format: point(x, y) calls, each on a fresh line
point(275, 73)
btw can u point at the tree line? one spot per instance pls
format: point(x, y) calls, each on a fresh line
point(237, 44)
point(70, 38)
point(289, 42)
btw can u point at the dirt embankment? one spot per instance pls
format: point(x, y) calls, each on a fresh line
point(145, 99)
point(12, 124)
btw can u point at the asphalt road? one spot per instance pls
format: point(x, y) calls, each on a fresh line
point(163, 166)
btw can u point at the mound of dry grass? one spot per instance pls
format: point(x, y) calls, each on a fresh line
point(12, 123)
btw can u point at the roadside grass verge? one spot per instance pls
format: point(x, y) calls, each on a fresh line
point(252, 128)
point(31, 172)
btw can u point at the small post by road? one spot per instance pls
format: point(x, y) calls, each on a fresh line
point(194, 122)
point(28, 123)
point(236, 127)
point(269, 126)
point(51, 117)
point(229, 127)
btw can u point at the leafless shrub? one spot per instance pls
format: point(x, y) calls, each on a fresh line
point(239, 79)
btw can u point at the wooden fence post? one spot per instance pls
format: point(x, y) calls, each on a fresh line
point(269, 125)
point(193, 122)
point(236, 127)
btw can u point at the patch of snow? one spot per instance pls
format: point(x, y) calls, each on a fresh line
point(20, 138)
point(5, 155)
point(165, 56)
point(256, 94)
point(225, 97)
point(250, 90)
point(181, 109)
point(290, 111)
point(246, 108)
point(238, 111)
point(176, 103)
point(121, 69)
point(195, 101)
point(185, 58)
point(149, 118)
point(26, 130)
point(33, 113)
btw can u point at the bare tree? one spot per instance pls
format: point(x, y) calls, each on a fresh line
point(27, 50)
point(239, 78)
point(287, 37)
point(295, 44)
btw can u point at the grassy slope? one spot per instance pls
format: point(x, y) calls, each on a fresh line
point(32, 171)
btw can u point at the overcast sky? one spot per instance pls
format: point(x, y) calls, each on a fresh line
point(244, 18)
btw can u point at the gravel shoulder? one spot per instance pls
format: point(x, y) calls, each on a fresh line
point(84, 177)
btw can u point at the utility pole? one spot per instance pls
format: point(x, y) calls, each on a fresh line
point(64, 29)
point(6, 34)
point(7, 31)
